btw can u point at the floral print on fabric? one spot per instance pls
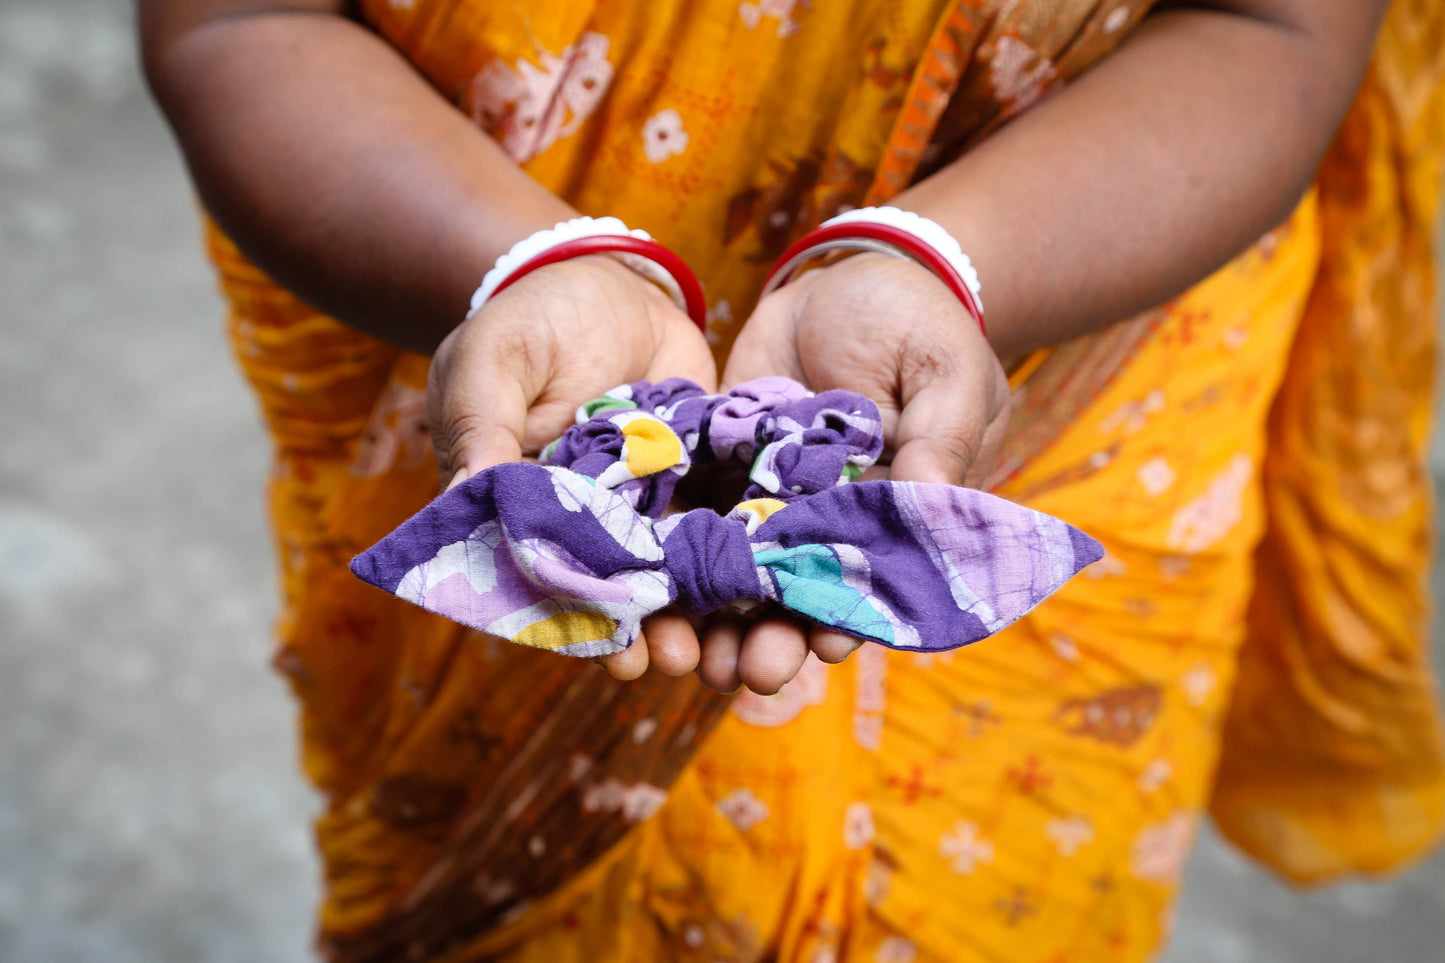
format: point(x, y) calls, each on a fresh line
point(860, 101)
point(529, 106)
point(909, 565)
point(808, 688)
point(397, 435)
point(663, 136)
point(781, 11)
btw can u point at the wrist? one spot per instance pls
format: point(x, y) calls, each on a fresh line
point(623, 271)
point(897, 233)
point(909, 294)
point(585, 236)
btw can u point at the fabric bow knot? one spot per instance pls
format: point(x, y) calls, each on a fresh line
point(565, 556)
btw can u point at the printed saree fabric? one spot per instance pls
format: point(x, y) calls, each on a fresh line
point(1250, 456)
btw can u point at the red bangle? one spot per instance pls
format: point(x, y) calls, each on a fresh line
point(905, 242)
point(598, 244)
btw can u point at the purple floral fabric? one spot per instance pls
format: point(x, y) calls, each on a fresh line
point(572, 555)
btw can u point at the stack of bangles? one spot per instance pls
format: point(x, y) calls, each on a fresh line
point(573, 553)
point(885, 230)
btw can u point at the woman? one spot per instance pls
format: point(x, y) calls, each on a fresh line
point(1249, 453)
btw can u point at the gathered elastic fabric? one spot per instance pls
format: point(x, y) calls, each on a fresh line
point(573, 554)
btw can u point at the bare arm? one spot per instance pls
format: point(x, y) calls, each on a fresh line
point(1111, 196)
point(333, 164)
point(305, 133)
point(1115, 194)
point(345, 176)
point(349, 179)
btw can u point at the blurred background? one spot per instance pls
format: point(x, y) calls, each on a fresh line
point(150, 808)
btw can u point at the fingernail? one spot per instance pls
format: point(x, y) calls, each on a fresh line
point(458, 478)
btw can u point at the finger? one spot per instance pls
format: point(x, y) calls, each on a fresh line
point(552, 414)
point(772, 653)
point(459, 476)
point(477, 414)
point(628, 664)
point(672, 646)
point(467, 443)
point(684, 352)
point(941, 429)
point(722, 641)
point(832, 647)
point(766, 344)
point(977, 475)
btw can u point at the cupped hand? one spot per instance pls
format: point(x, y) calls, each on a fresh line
point(510, 378)
point(888, 329)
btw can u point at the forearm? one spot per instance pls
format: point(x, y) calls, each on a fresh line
point(1147, 173)
point(338, 169)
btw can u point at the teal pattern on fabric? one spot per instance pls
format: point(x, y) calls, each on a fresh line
point(912, 566)
point(810, 581)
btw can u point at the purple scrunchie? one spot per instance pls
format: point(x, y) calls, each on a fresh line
point(573, 555)
point(797, 443)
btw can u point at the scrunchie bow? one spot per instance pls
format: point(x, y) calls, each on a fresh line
point(571, 555)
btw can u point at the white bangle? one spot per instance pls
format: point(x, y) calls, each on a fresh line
point(539, 243)
point(928, 231)
point(891, 231)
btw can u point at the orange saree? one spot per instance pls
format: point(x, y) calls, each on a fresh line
point(1251, 456)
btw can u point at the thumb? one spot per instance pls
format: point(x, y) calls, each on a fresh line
point(477, 415)
point(766, 345)
point(472, 447)
point(943, 430)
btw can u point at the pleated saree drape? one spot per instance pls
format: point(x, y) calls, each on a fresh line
point(1251, 455)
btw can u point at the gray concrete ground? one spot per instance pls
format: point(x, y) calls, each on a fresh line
point(149, 807)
